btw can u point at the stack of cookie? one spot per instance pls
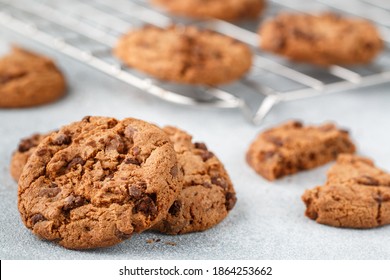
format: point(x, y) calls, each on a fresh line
point(95, 182)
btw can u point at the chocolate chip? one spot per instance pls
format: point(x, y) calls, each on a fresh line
point(135, 192)
point(136, 151)
point(230, 200)
point(297, 124)
point(367, 180)
point(303, 35)
point(174, 171)
point(37, 218)
point(92, 144)
point(121, 235)
point(42, 152)
point(219, 181)
point(75, 161)
point(267, 155)
point(344, 131)
point(72, 202)
point(130, 131)
point(62, 139)
point(206, 155)
point(312, 156)
point(201, 146)
point(274, 140)
point(175, 208)
point(112, 123)
point(146, 206)
point(115, 144)
point(28, 143)
point(86, 119)
point(49, 192)
point(132, 161)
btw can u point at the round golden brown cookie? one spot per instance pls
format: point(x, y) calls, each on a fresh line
point(356, 195)
point(222, 9)
point(185, 54)
point(95, 182)
point(28, 79)
point(324, 39)
point(26, 148)
point(208, 194)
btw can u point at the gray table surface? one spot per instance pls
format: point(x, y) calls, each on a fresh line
point(268, 221)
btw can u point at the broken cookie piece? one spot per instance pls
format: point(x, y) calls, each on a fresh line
point(356, 195)
point(292, 147)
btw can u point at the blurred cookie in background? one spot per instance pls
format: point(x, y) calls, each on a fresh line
point(187, 55)
point(230, 10)
point(28, 79)
point(323, 39)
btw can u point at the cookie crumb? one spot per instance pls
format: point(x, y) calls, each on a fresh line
point(170, 243)
point(153, 240)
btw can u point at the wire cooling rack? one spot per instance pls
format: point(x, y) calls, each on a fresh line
point(88, 30)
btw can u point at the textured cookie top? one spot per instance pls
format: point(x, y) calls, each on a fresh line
point(28, 79)
point(221, 9)
point(357, 169)
point(208, 194)
point(185, 54)
point(323, 39)
point(26, 148)
point(356, 195)
point(94, 182)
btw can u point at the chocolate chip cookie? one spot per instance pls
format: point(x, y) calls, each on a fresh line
point(208, 194)
point(323, 39)
point(26, 148)
point(95, 182)
point(28, 79)
point(356, 195)
point(292, 147)
point(222, 9)
point(185, 55)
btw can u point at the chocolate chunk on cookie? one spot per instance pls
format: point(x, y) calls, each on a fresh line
point(28, 79)
point(292, 147)
point(185, 55)
point(356, 195)
point(208, 194)
point(26, 148)
point(324, 39)
point(95, 182)
point(230, 10)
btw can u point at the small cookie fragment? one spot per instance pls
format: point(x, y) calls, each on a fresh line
point(230, 10)
point(292, 147)
point(208, 194)
point(356, 195)
point(185, 55)
point(26, 148)
point(82, 188)
point(324, 39)
point(28, 79)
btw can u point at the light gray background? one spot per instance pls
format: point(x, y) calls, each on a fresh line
point(268, 220)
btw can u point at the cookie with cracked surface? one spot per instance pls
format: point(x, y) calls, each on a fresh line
point(356, 195)
point(185, 55)
point(230, 10)
point(292, 147)
point(28, 79)
point(26, 148)
point(324, 39)
point(208, 194)
point(95, 182)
